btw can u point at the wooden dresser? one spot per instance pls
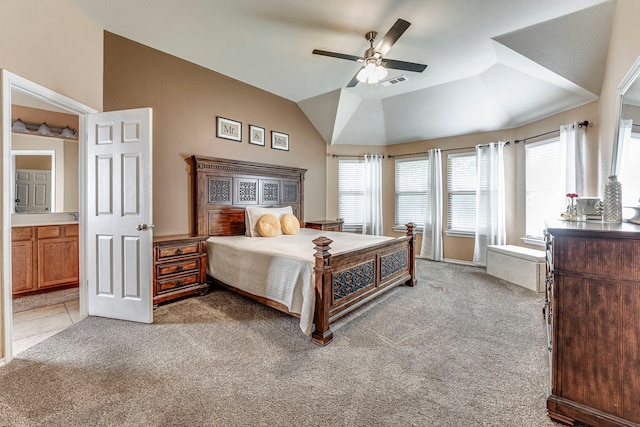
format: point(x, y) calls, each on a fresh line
point(179, 266)
point(44, 258)
point(325, 224)
point(593, 318)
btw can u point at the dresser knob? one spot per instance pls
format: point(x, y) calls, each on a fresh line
point(179, 268)
point(179, 283)
point(179, 251)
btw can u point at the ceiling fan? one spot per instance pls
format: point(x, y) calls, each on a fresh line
point(375, 65)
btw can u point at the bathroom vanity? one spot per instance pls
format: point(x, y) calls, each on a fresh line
point(44, 258)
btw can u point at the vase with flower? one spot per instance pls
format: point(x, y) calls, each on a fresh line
point(571, 213)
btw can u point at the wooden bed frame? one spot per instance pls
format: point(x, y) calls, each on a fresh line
point(343, 281)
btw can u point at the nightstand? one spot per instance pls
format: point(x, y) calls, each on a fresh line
point(325, 224)
point(179, 266)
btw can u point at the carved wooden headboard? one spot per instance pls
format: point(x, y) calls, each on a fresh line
point(224, 188)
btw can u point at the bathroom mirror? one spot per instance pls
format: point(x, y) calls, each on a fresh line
point(627, 108)
point(45, 174)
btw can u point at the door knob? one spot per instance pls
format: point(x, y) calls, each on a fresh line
point(144, 227)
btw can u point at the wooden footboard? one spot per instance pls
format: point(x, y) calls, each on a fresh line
point(347, 280)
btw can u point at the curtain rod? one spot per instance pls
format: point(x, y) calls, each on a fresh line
point(506, 144)
point(335, 156)
point(517, 141)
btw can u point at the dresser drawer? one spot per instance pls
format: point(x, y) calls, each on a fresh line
point(179, 250)
point(175, 283)
point(177, 267)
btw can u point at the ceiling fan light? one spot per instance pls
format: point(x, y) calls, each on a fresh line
point(363, 75)
point(371, 73)
point(380, 73)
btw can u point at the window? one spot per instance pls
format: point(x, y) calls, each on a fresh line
point(351, 193)
point(544, 189)
point(630, 172)
point(461, 193)
point(412, 185)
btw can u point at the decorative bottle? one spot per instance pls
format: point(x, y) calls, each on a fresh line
point(612, 200)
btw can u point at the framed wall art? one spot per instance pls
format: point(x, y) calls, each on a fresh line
point(279, 141)
point(256, 135)
point(229, 129)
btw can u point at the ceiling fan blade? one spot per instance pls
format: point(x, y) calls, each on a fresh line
point(338, 55)
point(392, 36)
point(403, 65)
point(354, 81)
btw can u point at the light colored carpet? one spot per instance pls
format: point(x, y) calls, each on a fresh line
point(43, 300)
point(459, 349)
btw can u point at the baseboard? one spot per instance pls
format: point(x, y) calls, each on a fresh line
point(451, 261)
point(457, 261)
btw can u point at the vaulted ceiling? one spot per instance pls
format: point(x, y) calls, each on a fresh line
point(492, 64)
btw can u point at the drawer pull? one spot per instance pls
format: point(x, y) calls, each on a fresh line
point(179, 283)
point(179, 268)
point(179, 251)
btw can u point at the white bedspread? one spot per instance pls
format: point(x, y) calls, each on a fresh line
point(278, 268)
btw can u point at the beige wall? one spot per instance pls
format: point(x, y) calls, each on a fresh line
point(186, 99)
point(53, 44)
point(624, 49)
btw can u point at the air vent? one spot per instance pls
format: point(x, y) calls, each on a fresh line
point(393, 81)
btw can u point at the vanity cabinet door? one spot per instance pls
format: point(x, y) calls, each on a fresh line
point(57, 261)
point(22, 266)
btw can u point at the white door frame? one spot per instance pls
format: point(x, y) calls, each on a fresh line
point(11, 82)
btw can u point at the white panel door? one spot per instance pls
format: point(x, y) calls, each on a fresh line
point(119, 217)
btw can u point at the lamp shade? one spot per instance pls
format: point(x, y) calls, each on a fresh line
point(67, 132)
point(19, 126)
point(44, 130)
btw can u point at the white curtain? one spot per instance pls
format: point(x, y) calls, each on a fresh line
point(572, 152)
point(372, 223)
point(490, 194)
point(432, 234)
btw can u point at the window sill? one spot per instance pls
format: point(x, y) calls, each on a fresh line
point(536, 241)
point(403, 229)
point(459, 233)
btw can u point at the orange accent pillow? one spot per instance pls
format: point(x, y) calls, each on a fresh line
point(289, 224)
point(268, 226)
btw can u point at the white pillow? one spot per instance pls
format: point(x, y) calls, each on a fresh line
point(253, 214)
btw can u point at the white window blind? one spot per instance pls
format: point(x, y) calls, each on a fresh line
point(412, 185)
point(545, 197)
point(351, 192)
point(630, 172)
point(461, 192)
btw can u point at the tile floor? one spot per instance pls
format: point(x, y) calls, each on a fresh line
point(33, 326)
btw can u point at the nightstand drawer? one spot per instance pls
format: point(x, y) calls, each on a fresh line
point(174, 283)
point(177, 267)
point(181, 250)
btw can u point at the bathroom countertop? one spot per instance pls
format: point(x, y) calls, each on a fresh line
point(31, 220)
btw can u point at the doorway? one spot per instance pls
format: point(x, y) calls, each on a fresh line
point(15, 87)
